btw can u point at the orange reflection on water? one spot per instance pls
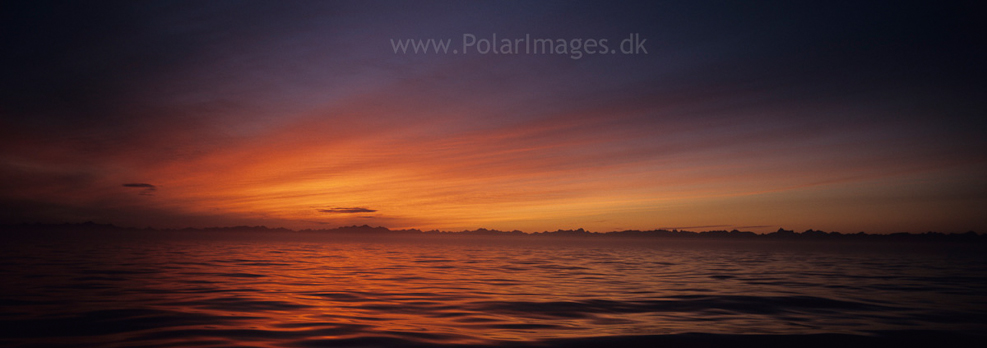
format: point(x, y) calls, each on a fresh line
point(308, 289)
point(439, 293)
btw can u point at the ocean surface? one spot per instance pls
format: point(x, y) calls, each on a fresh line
point(290, 291)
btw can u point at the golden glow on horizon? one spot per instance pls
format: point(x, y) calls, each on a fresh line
point(533, 175)
point(517, 178)
point(381, 164)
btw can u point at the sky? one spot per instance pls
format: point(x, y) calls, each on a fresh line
point(830, 115)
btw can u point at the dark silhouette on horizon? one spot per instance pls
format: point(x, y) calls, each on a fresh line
point(366, 230)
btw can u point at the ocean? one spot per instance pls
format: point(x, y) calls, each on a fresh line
point(296, 290)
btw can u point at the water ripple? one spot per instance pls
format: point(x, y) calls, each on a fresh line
point(277, 294)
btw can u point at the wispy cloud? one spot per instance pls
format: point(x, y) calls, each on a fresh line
point(693, 227)
point(148, 189)
point(354, 210)
point(756, 226)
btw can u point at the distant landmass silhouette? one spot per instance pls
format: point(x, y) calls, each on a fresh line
point(366, 230)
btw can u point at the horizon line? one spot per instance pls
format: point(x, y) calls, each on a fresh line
point(735, 232)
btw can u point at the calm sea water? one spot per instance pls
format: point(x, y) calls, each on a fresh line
point(277, 292)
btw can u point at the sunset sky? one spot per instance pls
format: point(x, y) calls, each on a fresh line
point(856, 116)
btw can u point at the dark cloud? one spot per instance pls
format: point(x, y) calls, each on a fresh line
point(354, 210)
point(140, 185)
point(694, 227)
point(756, 226)
point(148, 189)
